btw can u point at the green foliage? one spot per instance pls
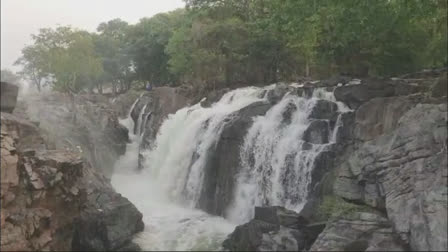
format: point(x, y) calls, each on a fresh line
point(334, 206)
point(63, 56)
point(219, 43)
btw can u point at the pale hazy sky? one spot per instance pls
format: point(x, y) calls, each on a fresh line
point(21, 18)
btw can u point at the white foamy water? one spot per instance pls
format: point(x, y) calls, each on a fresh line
point(166, 190)
point(275, 168)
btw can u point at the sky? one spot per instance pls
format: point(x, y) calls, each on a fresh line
point(21, 18)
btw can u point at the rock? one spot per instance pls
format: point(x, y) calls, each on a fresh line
point(279, 216)
point(324, 109)
point(213, 97)
point(95, 131)
point(9, 94)
point(273, 228)
point(317, 132)
point(334, 81)
point(379, 116)
point(109, 225)
point(248, 237)
point(439, 89)
point(223, 162)
point(44, 191)
point(358, 232)
point(403, 172)
point(355, 95)
point(345, 125)
point(276, 94)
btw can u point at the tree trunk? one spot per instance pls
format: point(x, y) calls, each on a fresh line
point(307, 69)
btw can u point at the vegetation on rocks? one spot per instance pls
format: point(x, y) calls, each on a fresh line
point(333, 206)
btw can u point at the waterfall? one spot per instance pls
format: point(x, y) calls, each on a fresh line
point(169, 226)
point(183, 140)
point(275, 166)
point(140, 121)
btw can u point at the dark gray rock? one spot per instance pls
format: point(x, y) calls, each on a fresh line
point(344, 134)
point(108, 225)
point(279, 216)
point(274, 229)
point(276, 94)
point(317, 132)
point(403, 172)
point(325, 110)
point(223, 161)
point(355, 95)
point(8, 97)
point(379, 116)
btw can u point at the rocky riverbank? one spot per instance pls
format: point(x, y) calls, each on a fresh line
point(384, 184)
point(52, 198)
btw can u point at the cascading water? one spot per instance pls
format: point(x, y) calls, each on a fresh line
point(184, 139)
point(275, 167)
point(276, 162)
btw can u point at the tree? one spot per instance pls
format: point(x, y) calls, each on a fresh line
point(148, 40)
point(34, 65)
point(112, 45)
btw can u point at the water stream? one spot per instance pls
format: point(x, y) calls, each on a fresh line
point(275, 168)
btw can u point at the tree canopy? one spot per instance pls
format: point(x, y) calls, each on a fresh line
point(219, 43)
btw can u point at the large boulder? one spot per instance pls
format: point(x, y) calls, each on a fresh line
point(318, 132)
point(223, 161)
point(324, 109)
point(109, 224)
point(273, 229)
point(355, 95)
point(9, 94)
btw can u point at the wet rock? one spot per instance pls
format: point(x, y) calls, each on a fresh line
point(317, 132)
point(9, 94)
point(355, 95)
point(273, 228)
point(279, 216)
point(324, 109)
point(108, 225)
point(223, 161)
point(276, 94)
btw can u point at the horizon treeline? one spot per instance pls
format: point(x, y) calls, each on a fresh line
point(226, 43)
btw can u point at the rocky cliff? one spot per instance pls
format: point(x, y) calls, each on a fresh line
point(381, 186)
point(53, 199)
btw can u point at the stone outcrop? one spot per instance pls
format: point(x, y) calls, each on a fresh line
point(273, 229)
point(8, 97)
point(49, 196)
point(90, 127)
point(224, 159)
point(390, 160)
point(362, 231)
